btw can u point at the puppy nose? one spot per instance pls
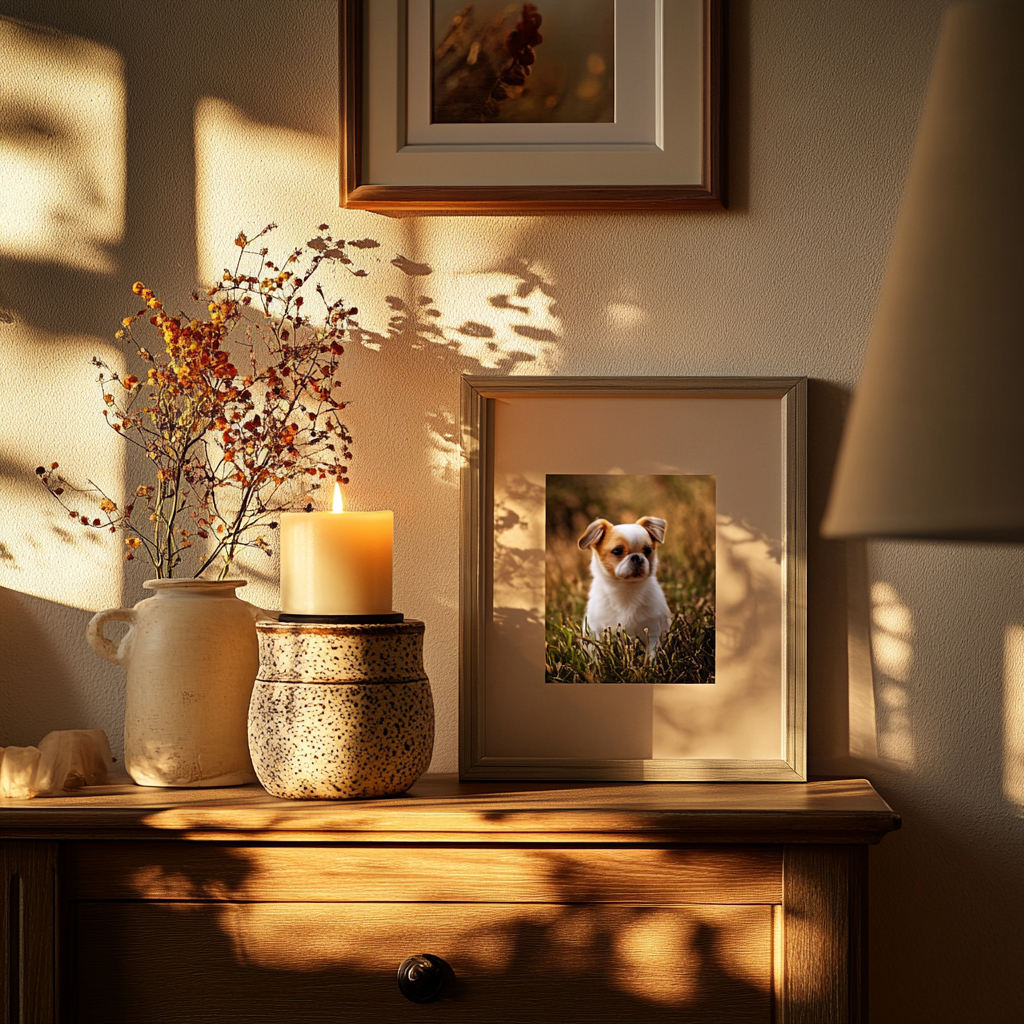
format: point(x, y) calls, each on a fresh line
point(636, 559)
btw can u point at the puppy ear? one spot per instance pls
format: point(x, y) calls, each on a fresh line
point(595, 531)
point(655, 527)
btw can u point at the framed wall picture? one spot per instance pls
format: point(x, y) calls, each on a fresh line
point(498, 107)
point(633, 579)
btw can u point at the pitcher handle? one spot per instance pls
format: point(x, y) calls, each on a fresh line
point(99, 642)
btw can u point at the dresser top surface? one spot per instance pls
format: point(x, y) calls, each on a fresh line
point(440, 807)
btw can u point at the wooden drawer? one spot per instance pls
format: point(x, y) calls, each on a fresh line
point(307, 933)
point(174, 961)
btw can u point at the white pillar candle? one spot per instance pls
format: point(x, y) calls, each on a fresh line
point(336, 563)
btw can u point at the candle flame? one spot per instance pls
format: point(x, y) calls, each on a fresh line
point(339, 504)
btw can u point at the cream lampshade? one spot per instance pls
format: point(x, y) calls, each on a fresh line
point(934, 446)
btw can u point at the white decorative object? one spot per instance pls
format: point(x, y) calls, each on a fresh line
point(63, 762)
point(191, 656)
point(18, 772)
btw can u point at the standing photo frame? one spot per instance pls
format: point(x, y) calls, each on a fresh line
point(660, 148)
point(545, 459)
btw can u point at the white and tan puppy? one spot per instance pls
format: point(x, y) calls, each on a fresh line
point(625, 593)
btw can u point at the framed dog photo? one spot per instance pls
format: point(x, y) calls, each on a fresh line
point(633, 579)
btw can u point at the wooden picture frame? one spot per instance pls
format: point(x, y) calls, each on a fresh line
point(750, 432)
point(381, 172)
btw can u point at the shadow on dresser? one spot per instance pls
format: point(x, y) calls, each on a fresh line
point(205, 931)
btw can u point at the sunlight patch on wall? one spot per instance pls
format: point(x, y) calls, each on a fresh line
point(494, 308)
point(892, 632)
point(444, 450)
point(42, 551)
point(474, 319)
point(625, 314)
point(62, 148)
point(863, 726)
point(1013, 715)
point(249, 173)
point(501, 320)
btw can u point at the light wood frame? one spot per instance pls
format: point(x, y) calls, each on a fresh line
point(479, 395)
point(361, 194)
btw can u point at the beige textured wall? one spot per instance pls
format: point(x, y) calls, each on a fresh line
point(139, 142)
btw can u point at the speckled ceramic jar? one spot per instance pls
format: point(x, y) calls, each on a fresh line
point(340, 712)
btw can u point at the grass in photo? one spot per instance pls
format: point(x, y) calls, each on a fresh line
point(580, 645)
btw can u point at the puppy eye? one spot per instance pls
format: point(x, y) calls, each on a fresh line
point(647, 550)
point(616, 551)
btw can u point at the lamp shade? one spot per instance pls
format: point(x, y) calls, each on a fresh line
point(934, 445)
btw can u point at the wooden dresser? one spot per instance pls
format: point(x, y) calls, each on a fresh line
point(540, 902)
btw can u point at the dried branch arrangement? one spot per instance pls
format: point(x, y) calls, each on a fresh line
point(238, 411)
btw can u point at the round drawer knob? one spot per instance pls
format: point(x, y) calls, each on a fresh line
point(421, 978)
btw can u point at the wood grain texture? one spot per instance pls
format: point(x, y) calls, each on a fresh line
point(824, 890)
point(489, 199)
point(28, 932)
point(359, 194)
point(618, 913)
point(857, 882)
point(440, 807)
point(523, 964)
point(350, 93)
point(279, 873)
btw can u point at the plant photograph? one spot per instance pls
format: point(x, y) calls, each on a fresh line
point(502, 63)
point(630, 579)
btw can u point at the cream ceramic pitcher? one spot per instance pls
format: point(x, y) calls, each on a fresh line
point(191, 656)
